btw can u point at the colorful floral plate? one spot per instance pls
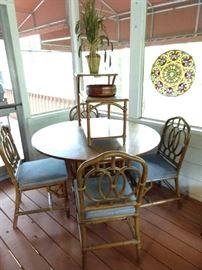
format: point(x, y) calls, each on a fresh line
point(173, 73)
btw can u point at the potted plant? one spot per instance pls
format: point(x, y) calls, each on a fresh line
point(91, 32)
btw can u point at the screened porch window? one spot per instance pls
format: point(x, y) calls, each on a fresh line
point(187, 105)
point(48, 76)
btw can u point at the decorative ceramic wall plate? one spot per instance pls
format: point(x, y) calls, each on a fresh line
point(173, 73)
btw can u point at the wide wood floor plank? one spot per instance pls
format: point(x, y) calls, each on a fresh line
point(170, 237)
point(7, 261)
point(39, 239)
point(190, 209)
point(171, 213)
point(172, 229)
point(181, 249)
point(163, 256)
point(111, 257)
point(167, 257)
point(193, 211)
point(110, 235)
point(61, 237)
point(20, 247)
point(128, 252)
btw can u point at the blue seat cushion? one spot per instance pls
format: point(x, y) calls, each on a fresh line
point(41, 172)
point(102, 213)
point(158, 168)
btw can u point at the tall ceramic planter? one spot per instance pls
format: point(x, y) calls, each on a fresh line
point(93, 63)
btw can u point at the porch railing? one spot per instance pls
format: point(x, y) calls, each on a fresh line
point(42, 103)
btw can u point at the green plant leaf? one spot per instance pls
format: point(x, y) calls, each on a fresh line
point(91, 32)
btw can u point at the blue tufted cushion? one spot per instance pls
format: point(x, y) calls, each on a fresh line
point(116, 211)
point(158, 167)
point(41, 172)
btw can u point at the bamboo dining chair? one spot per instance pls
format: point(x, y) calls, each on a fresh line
point(30, 175)
point(103, 193)
point(164, 165)
point(73, 113)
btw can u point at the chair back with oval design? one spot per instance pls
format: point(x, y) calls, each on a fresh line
point(103, 193)
point(46, 173)
point(104, 182)
point(164, 165)
point(174, 140)
point(9, 153)
point(73, 113)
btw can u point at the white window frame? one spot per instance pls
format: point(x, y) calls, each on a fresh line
point(137, 32)
point(12, 46)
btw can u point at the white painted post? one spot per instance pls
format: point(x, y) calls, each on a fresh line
point(12, 45)
point(137, 44)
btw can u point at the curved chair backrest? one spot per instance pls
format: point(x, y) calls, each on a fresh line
point(73, 113)
point(104, 181)
point(174, 140)
point(31, 175)
point(9, 153)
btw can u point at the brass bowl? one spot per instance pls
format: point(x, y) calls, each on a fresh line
point(101, 90)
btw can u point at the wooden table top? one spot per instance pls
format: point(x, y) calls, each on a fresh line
point(66, 140)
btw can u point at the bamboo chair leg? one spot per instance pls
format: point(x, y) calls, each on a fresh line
point(84, 245)
point(66, 198)
point(177, 188)
point(17, 207)
point(135, 230)
point(137, 235)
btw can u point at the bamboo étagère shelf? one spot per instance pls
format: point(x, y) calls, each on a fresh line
point(107, 127)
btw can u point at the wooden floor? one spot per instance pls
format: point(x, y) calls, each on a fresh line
point(171, 238)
